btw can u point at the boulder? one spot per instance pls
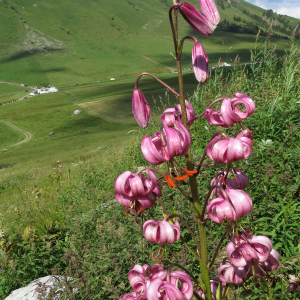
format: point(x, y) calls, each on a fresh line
point(51, 133)
point(40, 289)
point(77, 112)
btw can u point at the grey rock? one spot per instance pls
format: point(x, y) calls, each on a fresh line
point(77, 112)
point(40, 289)
point(51, 133)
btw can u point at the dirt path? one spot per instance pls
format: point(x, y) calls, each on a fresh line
point(17, 84)
point(27, 134)
point(171, 69)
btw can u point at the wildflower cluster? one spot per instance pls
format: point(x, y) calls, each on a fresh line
point(226, 202)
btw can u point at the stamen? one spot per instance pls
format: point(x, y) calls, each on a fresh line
point(169, 181)
point(189, 172)
point(223, 180)
point(181, 178)
point(236, 178)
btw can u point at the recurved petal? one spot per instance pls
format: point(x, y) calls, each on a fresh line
point(123, 199)
point(165, 233)
point(150, 152)
point(229, 116)
point(149, 185)
point(150, 229)
point(155, 290)
point(137, 270)
point(272, 262)
point(213, 117)
point(186, 283)
point(172, 292)
point(157, 271)
point(168, 117)
point(235, 257)
point(262, 245)
point(246, 100)
point(236, 150)
point(121, 183)
point(138, 284)
point(184, 137)
point(140, 108)
point(174, 144)
point(136, 185)
point(209, 147)
point(144, 202)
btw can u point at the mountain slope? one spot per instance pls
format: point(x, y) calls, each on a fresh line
point(65, 42)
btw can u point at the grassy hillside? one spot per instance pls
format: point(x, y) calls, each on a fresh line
point(55, 42)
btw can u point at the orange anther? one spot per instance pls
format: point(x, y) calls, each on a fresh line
point(169, 181)
point(181, 178)
point(223, 180)
point(189, 172)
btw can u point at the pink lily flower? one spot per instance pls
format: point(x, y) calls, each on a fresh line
point(166, 144)
point(214, 283)
point(272, 261)
point(229, 112)
point(161, 290)
point(200, 62)
point(139, 278)
point(231, 274)
point(246, 249)
point(240, 181)
point(238, 204)
point(140, 108)
point(186, 283)
point(197, 21)
point(161, 232)
point(229, 149)
point(170, 115)
point(261, 268)
point(135, 191)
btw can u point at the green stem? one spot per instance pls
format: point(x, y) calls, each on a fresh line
point(193, 184)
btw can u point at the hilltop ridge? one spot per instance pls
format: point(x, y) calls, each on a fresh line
point(63, 42)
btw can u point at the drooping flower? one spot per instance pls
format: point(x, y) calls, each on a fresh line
point(170, 115)
point(200, 62)
point(161, 290)
point(238, 204)
point(272, 261)
point(140, 108)
point(294, 284)
point(214, 283)
point(246, 249)
point(240, 181)
point(166, 144)
point(161, 232)
point(140, 277)
point(229, 112)
point(137, 192)
point(185, 281)
point(229, 149)
point(231, 274)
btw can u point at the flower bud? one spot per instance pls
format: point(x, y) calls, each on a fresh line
point(200, 62)
point(140, 108)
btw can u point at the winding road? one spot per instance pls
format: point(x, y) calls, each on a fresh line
point(27, 134)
